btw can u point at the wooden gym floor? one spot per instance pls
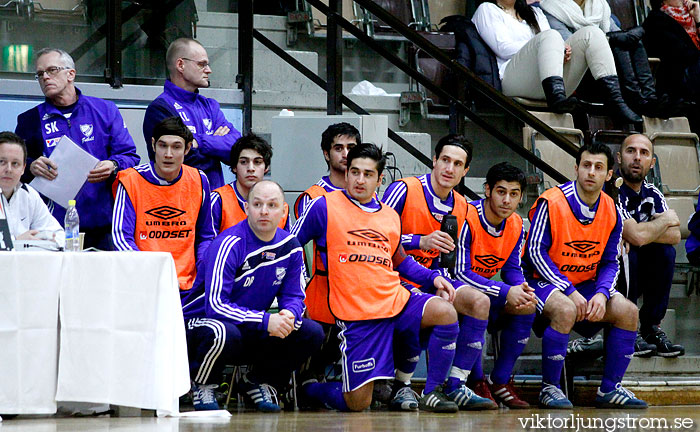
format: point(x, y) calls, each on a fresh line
point(681, 418)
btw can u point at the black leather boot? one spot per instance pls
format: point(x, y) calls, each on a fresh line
point(626, 39)
point(640, 64)
point(556, 95)
point(616, 106)
point(629, 85)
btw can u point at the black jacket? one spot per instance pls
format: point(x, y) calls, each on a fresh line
point(472, 52)
point(666, 39)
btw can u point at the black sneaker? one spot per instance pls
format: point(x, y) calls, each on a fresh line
point(592, 347)
point(643, 348)
point(438, 402)
point(664, 347)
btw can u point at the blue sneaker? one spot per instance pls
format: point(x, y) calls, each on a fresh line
point(551, 396)
point(467, 400)
point(619, 398)
point(405, 399)
point(203, 397)
point(263, 396)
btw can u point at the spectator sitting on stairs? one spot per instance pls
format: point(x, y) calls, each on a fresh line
point(631, 60)
point(535, 62)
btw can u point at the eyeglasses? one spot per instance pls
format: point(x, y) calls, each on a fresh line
point(52, 71)
point(202, 64)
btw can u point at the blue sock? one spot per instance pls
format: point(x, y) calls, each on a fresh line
point(328, 393)
point(514, 337)
point(619, 347)
point(441, 353)
point(477, 373)
point(470, 343)
point(553, 355)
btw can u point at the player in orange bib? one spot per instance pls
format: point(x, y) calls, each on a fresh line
point(571, 261)
point(491, 241)
point(164, 205)
point(422, 202)
point(379, 318)
point(336, 142)
point(250, 161)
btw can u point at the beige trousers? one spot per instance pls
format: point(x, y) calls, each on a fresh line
point(543, 57)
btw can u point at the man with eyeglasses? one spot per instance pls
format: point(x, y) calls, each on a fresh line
point(93, 124)
point(214, 136)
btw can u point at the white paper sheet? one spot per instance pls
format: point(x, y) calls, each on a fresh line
point(73, 164)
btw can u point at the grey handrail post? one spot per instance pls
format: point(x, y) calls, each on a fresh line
point(334, 59)
point(245, 61)
point(113, 69)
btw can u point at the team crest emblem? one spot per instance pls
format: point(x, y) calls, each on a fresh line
point(86, 129)
point(582, 246)
point(207, 123)
point(280, 272)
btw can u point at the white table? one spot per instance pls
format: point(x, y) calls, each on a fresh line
point(122, 335)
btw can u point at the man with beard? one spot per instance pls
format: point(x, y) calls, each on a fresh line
point(651, 229)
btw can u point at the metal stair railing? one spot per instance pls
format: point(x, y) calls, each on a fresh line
point(333, 86)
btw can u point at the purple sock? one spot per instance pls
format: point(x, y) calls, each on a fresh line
point(329, 394)
point(619, 348)
point(514, 337)
point(477, 373)
point(441, 352)
point(553, 355)
point(470, 343)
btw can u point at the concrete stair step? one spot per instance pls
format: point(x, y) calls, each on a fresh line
point(645, 369)
point(269, 71)
point(221, 29)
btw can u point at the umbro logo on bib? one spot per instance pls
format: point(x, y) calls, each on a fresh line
point(489, 260)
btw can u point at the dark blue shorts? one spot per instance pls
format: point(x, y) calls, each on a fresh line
point(367, 346)
point(587, 289)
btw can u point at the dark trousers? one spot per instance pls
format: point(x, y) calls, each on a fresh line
point(694, 257)
point(213, 344)
point(99, 238)
point(651, 274)
point(328, 355)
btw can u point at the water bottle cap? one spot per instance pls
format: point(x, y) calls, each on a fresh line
point(71, 203)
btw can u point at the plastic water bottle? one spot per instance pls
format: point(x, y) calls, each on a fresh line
point(449, 226)
point(72, 227)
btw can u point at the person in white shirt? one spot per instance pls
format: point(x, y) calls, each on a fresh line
point(534, 61)
point(27, 215)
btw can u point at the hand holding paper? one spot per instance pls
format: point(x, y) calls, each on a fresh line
point(44, 167)
point(75, 165)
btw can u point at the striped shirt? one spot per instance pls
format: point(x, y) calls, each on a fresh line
point(395, 197)
point(539, 241)
point(243, 275)
point(511, 272)
point(305, 199)
point(124, 215)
